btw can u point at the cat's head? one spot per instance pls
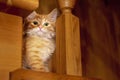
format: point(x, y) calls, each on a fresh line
point(41, 25)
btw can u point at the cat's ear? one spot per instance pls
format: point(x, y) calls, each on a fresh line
point(53, 15)
point(31, 16)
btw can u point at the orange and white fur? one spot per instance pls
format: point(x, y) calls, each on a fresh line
point(39, 40)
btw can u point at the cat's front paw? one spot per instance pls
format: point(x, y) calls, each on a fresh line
point(39, 69)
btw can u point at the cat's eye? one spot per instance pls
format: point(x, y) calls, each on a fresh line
point(35, 22)
point(46, 24)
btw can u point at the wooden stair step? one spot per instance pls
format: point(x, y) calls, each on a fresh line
point(22, 74)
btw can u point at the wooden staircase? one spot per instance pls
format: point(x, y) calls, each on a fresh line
point(67, 59)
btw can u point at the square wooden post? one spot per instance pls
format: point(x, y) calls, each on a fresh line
point(67, 59)
point(10, 44)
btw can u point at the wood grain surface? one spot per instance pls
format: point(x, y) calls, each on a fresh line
point(67, 59)
point(10, 44)
point(21, 74)
point(100, 37)
point(24, 4)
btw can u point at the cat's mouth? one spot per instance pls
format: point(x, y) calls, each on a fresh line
point(40, 29)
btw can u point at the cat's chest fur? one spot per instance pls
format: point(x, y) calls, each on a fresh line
point(42, 47)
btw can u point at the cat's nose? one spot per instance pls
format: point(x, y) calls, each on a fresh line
point(39, 27)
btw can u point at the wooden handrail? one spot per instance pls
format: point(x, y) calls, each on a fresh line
point(24, 4)
point(67, 59)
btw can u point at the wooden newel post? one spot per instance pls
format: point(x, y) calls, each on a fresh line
point(68, 53)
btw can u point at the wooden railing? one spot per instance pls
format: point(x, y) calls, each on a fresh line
point(66, 60)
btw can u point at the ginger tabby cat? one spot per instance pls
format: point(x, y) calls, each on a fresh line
point(39, 40)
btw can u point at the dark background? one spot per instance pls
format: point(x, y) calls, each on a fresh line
point(100, 37)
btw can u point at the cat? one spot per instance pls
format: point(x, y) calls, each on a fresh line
point(39, 40)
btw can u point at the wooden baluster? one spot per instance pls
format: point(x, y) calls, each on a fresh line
point(67, 59)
